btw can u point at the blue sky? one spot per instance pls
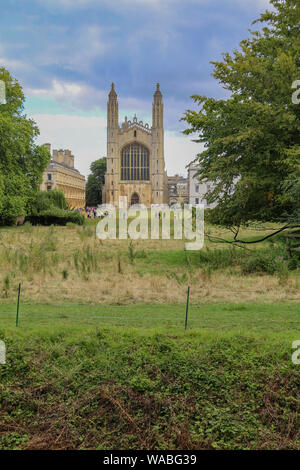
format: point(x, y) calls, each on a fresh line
point(66, 53)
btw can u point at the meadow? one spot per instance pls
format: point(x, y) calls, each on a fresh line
point(71, 264)
point(101, 358)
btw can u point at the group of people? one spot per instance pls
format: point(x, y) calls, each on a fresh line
point(89, 212)
point(92, 212)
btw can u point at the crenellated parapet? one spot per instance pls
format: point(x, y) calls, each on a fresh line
point(135, 123)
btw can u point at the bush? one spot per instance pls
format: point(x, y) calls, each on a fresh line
point(220, 258)
point(272, 260)
point(293, 264)
point(46, 200)
point(50, 208)
point(55, 216)
point(258, 264)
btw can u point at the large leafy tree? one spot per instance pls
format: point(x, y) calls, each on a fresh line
point(252, 139)
point(22, 162)
point(95, 182)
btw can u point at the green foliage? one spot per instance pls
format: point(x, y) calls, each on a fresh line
point(22, 162)
point(229, 383)
point(131, 252)
point(6, 284)
point(65, 274)
point(274, 259)
point(261, 263)
point(55, 216)
point(46, 200)
point(50, 208)
point(95, 182)
point(252, 139)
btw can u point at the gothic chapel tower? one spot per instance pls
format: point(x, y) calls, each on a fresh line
point(158, 159)
point(111, 177)
point(135, 156)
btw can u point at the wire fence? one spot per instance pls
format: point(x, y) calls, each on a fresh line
point(125, 315)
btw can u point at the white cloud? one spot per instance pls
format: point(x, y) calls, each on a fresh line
point(71, 93)
point(262, 3)
point(74, 96)
point(84, 136)
point(14, 65)
point(58, 90)
point(254, 4)
point(179, 152)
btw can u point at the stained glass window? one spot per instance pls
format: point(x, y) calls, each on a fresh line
point(135, 163)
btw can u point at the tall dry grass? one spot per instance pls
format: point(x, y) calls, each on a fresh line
point(69, 264)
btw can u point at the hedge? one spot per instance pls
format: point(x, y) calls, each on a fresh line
point(55, 216)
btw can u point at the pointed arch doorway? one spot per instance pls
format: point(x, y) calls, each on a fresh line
point(135, 199)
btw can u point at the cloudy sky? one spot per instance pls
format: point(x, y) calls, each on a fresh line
point(66, 53)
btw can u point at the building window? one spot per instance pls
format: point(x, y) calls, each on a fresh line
point(196, 200)
point(135, 163)
point(48, 188)
point(134, 133)
point(49, 176)
point(197, 188)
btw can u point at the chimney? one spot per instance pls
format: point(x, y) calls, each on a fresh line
point(48, 146)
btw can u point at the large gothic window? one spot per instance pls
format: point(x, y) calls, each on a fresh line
point(135, 163)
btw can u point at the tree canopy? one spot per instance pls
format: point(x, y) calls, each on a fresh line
point(252, 139)
point(95, 182)
point(22, 162)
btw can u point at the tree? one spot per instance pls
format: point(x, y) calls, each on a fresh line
point(47, 200)
point(22, 162)
point(252, 139)
point(95, 182)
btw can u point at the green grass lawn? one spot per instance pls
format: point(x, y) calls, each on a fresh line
point(283, 318)
point(130, 377)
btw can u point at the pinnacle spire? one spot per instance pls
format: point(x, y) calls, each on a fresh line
point(112, 91)
point(157, 92)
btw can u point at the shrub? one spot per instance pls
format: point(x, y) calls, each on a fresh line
point(55, 216)
point(220, 258)
point(50, 208)
point(293, 264)
point(260, 263)
point(65, 274)
point(46, 200)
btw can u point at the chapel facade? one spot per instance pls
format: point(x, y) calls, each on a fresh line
point(135, 157)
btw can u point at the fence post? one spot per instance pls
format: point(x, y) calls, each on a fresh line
point(18, 304)
point(187, 307)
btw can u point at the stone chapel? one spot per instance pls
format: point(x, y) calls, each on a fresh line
point(135, 157)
